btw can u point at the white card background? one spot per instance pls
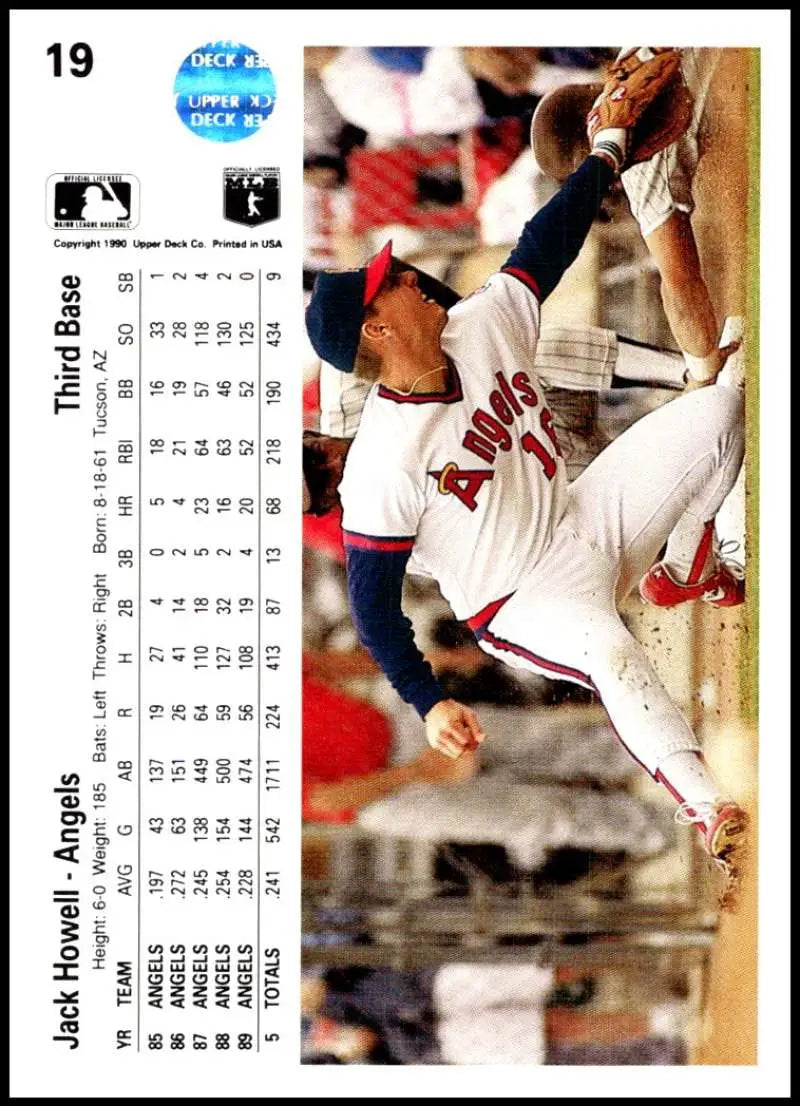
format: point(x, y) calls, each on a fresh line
point(121, 119)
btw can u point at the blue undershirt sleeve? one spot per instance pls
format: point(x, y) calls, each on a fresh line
point(552, 239)
point(375, 581)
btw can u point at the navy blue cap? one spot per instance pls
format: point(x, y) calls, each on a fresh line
point(336, 310)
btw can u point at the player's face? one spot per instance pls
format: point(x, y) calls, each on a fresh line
point(402, 305)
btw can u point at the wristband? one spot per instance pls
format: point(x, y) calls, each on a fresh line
point(613, 142)
point(701, 369)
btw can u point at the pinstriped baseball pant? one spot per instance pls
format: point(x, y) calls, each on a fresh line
point(660, 481)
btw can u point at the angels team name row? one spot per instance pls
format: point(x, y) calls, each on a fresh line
point(178, 976)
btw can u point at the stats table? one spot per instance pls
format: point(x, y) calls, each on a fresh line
point(180, 781)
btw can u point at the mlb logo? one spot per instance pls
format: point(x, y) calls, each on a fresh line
point(92, 201)
point(252, 196)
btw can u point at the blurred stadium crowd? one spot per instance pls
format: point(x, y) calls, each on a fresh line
point(484, 1014)
point(430, 146)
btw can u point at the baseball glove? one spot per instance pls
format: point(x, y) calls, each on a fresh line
point(662, 123)
point(644, 94)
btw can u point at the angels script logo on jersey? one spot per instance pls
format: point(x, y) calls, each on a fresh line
point(508, 403)
point(464, 484)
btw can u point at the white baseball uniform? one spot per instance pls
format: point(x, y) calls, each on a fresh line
point(415, 472)
point(441, 99)
point(472, 483)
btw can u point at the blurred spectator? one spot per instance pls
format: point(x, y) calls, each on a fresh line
point(346, 746)
point(454, 1014)
point(512, 198)
point(509, 69)
point(531, 821)
point(322, 123)
point(492, 1013)
point(478, 1013)
point(326, 206)
point(578, 57)
point(504, 79)
point(440, 99)
point(569, 65)
point(402, 59)
point(372, 1015)
point(323, 465)
point(326, 616)
point(346, 1043)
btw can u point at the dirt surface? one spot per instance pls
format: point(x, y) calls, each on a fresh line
point(726, 196)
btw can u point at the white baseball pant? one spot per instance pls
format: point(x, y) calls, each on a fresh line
point(661, 481)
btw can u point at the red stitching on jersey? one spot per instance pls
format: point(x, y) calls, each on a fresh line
point(382, 545)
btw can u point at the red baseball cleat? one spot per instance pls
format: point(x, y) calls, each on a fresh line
point(723, 588)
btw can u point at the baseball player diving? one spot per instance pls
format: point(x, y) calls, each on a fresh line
point(456, 473)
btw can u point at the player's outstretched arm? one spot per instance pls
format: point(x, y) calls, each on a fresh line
point(686, 300)
point(552, 239)
point(375, 582)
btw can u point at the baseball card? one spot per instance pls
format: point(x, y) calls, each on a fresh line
point(399, 623)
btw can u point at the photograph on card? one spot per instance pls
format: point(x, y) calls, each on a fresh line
point(530, 281)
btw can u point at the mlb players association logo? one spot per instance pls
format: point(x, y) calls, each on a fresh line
point(252, 196)
point(92, 201)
